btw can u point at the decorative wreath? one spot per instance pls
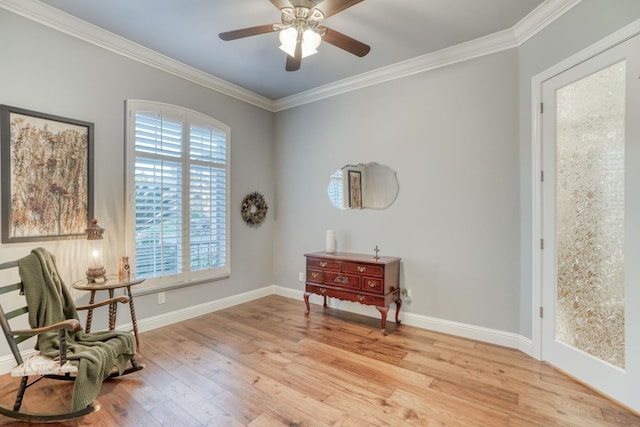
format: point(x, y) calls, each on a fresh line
point(254, 209)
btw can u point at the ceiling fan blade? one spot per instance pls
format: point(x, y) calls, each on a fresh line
point(331, 7)
point(345, 42)
point(293, 64)
point(246, 32)
point(281, 3)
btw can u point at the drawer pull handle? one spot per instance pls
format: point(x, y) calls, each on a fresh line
point(323, 264)
point(341, 279)
point(362, 269)
point(360, 298)
point(314, 275)
point(323, 291)
point(372, 284)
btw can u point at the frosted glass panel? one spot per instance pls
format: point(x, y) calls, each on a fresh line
point(590, 216)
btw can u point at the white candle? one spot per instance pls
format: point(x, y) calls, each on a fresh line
point(330, 243)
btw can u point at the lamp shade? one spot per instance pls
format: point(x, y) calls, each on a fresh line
point(310, 41)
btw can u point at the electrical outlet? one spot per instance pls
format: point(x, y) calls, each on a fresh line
point(300, 276)
point(406, 294)
point(162, 297)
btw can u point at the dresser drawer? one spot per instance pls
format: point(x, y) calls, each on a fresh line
point(323, 264)
point(346, 295)
point(365, 269)
point(315, 276)
point(342, 280)
point(372, 284)
point(356, 297)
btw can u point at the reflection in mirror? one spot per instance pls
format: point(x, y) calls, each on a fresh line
point(365, 185)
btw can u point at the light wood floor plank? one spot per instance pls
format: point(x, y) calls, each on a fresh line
point(265, 363)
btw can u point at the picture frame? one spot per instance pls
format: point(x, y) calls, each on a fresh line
point(47, 176)
point(355, 189)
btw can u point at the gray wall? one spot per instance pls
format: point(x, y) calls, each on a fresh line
point(460, 140)
point(452, 136)
point(47, 71)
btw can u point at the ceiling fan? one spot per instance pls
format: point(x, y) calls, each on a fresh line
point(300, 30)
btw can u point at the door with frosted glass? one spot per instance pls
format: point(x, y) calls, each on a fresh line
point(591, 222)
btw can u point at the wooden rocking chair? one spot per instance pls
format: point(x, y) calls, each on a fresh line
point(38, 365)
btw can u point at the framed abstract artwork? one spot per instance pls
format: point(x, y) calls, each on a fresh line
point(47, 176)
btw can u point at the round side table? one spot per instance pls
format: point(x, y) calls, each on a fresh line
point(110, 284)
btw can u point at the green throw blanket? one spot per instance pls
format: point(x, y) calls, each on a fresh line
point(49, 301)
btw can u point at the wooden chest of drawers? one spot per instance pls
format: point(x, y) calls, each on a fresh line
point(355, 277)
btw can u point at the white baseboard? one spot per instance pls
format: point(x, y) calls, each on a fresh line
point(165, 319)
point(492, 336)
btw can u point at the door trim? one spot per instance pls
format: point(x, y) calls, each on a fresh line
point(602, 45)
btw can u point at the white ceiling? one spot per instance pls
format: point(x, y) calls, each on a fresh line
point(398, 32)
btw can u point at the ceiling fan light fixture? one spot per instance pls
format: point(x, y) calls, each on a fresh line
point(301, 30)
point(310, 41)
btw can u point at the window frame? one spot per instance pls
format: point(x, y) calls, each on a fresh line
point(186, 277)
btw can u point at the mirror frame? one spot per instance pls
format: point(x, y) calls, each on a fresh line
point(351, 186)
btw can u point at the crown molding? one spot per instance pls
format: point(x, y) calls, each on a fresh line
point(536, 21)
point(462, 52)
point(530, 25)
point(68, 24)
point(540, 17)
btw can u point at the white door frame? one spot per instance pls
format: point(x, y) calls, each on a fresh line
point(618, 37)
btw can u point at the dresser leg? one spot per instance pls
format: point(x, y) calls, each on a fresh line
point(306, 301)
point(398, 305)
point(383, 311)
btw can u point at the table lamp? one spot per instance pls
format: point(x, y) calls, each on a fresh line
point(96, 268)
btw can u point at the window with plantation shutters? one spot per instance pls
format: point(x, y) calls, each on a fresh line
point(177, 208)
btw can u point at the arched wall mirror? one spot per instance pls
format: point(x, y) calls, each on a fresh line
point(363, 186)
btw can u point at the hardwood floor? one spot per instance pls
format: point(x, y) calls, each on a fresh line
point(265, 363)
